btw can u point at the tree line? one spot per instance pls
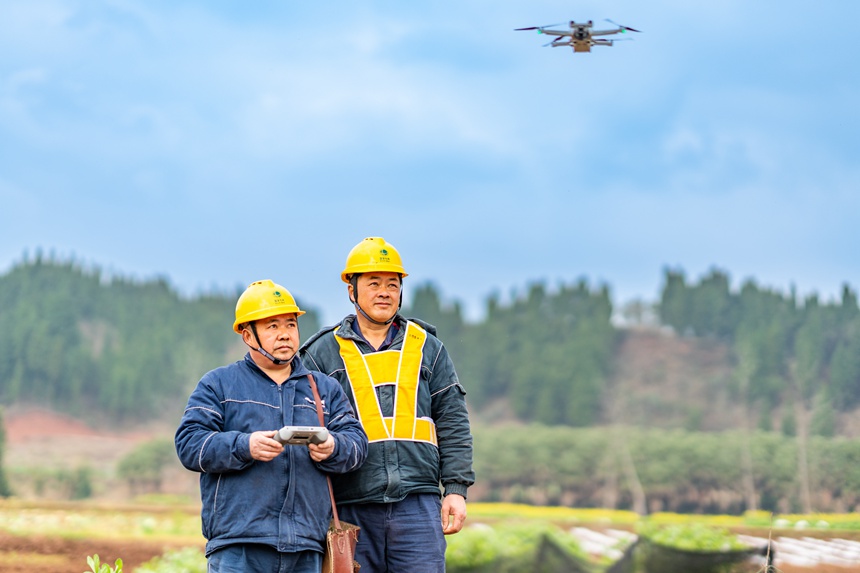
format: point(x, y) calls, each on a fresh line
point(786, 350)
point(803, 356)
point(548, 352)
point(670, 470)
point(105, 347)
point(617, 467)
point(83, 341)
point(101, 346)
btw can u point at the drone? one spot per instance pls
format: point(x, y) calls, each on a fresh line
point(581, 36)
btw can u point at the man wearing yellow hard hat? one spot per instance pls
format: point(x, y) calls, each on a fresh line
point(266, 506)
point(405, 391)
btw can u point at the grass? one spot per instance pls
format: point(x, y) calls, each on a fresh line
point(172, 519)
point(88, 521)
point(563, 515)
point(30, 559)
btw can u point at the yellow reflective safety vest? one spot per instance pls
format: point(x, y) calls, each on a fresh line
point(402, 368)
point(411, 405)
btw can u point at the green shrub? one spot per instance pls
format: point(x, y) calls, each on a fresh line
point(692, 537)
point(187, 560)
point(142, 468)
point(97, 567)
point(505, 548)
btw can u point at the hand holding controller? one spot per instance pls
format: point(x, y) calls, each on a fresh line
point(301, 435)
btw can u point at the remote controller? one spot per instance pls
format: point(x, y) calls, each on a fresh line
point(301, 435)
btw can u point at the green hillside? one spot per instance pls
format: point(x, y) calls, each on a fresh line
point(82, 342)
point(108, 348)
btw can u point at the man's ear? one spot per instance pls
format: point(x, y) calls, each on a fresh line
point(247, 337)
point(350, 291)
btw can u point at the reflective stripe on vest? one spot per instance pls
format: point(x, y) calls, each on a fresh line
point(401, 367)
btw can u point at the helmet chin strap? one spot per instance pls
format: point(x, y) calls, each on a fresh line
point(263, 351)
point(354, 282)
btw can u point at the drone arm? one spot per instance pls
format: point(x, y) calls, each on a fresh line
point(556, 33)
point(607, 32)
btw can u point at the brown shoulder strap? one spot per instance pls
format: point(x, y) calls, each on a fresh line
point(318, 404)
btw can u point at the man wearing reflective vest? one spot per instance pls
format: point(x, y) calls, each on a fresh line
point(405, 391)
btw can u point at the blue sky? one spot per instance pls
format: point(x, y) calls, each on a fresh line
point(217, 143)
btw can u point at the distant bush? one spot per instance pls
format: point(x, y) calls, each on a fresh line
point(80, 483)
point(143, 467)
point(187, 560)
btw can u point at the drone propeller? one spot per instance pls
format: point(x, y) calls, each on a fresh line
point(556, 43)
point(622, 27)
point(538, 27)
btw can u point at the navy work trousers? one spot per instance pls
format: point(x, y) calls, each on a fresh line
point(257, 558)
point(400, 537)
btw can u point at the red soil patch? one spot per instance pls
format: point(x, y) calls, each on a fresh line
point(23, 425)
point(42, 440)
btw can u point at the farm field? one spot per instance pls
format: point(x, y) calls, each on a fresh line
point(58, 536)
point(38, 554)
point(40, 532)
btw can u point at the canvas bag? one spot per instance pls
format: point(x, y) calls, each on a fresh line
point(341, 537)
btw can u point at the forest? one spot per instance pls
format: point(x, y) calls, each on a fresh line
point(80, 342)
point(548, 362)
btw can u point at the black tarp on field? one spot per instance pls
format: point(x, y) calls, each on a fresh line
point(658, 558)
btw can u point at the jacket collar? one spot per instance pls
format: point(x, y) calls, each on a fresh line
point(298, 369)
point(348, 331)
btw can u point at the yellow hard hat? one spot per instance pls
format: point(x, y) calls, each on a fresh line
point(263, 299)
point(372, 254)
